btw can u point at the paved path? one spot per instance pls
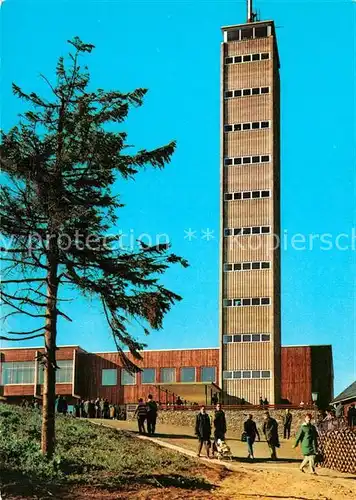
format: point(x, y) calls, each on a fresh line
point(263, 479)
point(184, 438)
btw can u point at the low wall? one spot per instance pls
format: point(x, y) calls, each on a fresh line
point(234, 418)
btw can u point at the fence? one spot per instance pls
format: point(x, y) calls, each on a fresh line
point(337, 442)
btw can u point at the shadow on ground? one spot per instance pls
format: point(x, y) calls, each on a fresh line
point(19, 486)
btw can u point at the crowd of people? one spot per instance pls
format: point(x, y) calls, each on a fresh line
point(90, 408)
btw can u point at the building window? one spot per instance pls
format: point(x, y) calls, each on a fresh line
point(148, 376)
point(238, 231)
point(127, 378)
point(246, 374)
point(243, 302)
point(64, 375)
point(247, 58)
point(208, 374)
point(246, 337)
point(246, 266)
point(237, 35)
point(229, 94)
point(18, 373)
point(187, 374)
point(168, 375)
point(243, 160)
point(247, 195)
point(261, 32)
point(109, 376)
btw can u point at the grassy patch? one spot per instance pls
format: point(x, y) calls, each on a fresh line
point(87, 455)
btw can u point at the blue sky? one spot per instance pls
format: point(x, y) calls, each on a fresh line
point(172, 48)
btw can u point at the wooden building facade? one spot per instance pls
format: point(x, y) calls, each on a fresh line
point(305, 369)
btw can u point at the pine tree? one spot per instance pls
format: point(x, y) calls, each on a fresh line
point(57, 209)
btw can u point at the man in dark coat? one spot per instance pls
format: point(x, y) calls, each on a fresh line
point(270, 430)
point(287, 423)
point(219, 423)
point(251, 432)
point(151, 415)
point(203, 431)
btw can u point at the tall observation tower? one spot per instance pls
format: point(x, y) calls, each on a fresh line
point(250, 305)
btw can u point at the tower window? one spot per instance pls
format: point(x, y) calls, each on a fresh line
point(246, 302)
point(238, 231)
point(245, 92)
point(227, 128)
point(227, 339)
point(247, 58)
point(233, 36)
point(246, 266)
point(246, 33)
point(247, 126)
point(265, 374)
point(256, 374)
point(228, 267)
point(261, 32)
point(227, 375)
point(265, 301)
point(246, 337)
point(246, 374)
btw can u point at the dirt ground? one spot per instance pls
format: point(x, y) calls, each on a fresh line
point(261, 480)
point(247, 484)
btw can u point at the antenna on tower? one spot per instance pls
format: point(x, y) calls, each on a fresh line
point(251, 16)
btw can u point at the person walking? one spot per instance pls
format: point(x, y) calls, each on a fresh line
point(219, 426)
point(141, 413)
point(287, 423)
point(251, 432)
point(203, 431)
point(151, 415)
point(270, 430)
point(308, 438)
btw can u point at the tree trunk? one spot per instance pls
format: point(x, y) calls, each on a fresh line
point(49, 384)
